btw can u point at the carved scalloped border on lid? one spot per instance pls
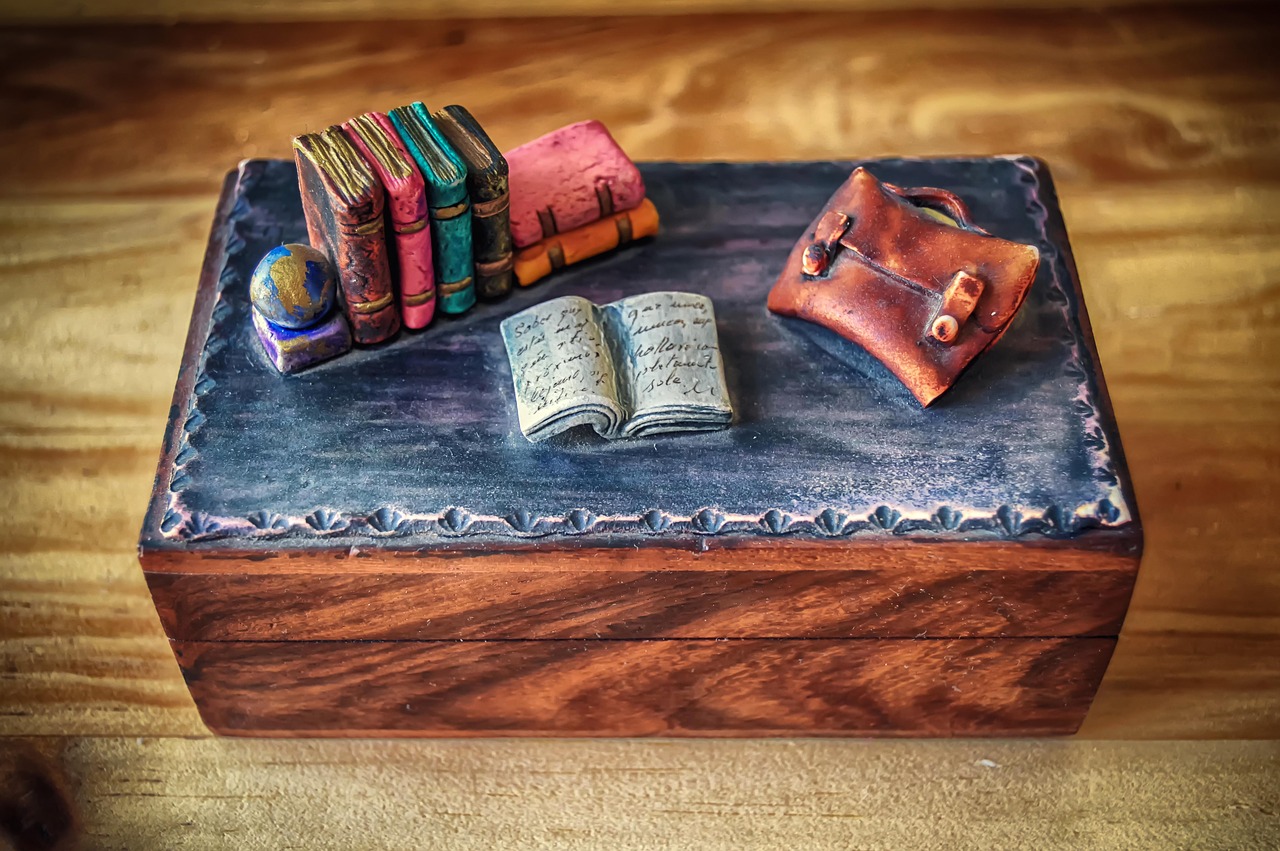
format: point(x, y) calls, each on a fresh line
point(1113, 508)
point(831, 523)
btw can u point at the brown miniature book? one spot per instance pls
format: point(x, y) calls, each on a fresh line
point(343, 203)
point(488, 186)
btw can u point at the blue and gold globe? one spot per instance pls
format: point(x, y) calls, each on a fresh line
point(294, 286)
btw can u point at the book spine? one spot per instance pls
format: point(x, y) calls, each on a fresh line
point(534, 263)
point(417, 272)
point(357, 246)
point(491, 237)
point(451, 238)
point(451, 226)
point(450, 212)
point(411, 262)
point(489, 188)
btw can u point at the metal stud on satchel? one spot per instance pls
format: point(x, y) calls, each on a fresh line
point(907, 275)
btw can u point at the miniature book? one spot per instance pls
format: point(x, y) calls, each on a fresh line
point(446, 178)
point(568, 178)
point(411, 261)
point(343, 204)
point(488, 187)
point(646, 364)
point(905, 274)
point(534, 263)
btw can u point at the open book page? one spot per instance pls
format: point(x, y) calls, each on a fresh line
point(670, 373)
point(563, 372)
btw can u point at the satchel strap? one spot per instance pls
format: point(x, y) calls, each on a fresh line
point(958, 301)
point(826, 238)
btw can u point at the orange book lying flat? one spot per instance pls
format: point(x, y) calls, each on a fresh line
point(573, 246)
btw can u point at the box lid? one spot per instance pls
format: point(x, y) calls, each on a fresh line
point(412, 449)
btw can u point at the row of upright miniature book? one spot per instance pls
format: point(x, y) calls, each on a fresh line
point(464, 218)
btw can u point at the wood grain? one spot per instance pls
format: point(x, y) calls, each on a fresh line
point(1104, 550)
point(179, 794)
point(737, 602)
point(61, 11)
point(748, 687)
point(990, 462)
point(1163, 130)
point(1168, 163)
point(1140, 105)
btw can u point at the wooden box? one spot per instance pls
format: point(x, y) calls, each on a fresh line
point(372, 548)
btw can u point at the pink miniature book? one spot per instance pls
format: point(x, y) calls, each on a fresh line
point(377, 141)
point(569, 178)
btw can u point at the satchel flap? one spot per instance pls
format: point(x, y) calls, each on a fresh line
point(922, 295)
point(898, 237)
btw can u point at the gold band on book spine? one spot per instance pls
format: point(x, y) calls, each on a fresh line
point(370, 306)
point(418, 298)
point(412, 227)
point(624, 228)
point(452, 212)
point(455, 286)
point(367, 228)
point(485, 209)
point(495, 267)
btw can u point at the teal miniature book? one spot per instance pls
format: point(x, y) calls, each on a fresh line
point(450, 206)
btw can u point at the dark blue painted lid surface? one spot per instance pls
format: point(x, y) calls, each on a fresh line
point(415, 443)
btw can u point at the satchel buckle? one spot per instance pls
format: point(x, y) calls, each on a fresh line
point(958, 301)
point(826, 236)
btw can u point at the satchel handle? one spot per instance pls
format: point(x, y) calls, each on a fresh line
point(931, 196)
point(829, 232)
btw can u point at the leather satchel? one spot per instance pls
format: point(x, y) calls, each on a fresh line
point(907, 275)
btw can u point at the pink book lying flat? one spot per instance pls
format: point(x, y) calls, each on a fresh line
point(569, 178)
point(375, 138)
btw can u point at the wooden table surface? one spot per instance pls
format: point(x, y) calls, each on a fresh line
point(1162, 126)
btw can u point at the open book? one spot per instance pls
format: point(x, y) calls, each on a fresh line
point(642, 365)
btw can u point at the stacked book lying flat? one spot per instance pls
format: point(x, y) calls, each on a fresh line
point(574, 194)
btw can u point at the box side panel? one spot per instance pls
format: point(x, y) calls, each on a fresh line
point(737, 600)
point(962, 687)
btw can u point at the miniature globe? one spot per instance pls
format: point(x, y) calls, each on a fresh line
point(293, 286)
